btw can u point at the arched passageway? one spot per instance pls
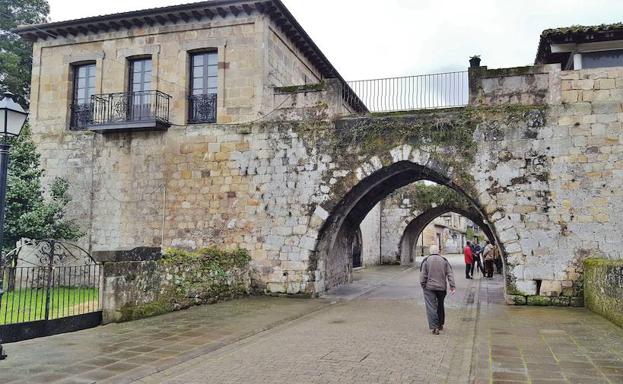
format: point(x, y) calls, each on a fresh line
point(333, 258)
point(415, 228)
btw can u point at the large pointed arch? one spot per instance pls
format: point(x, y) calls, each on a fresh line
point(331, 260)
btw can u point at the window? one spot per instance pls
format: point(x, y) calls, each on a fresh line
point(203, 87)
point(83, 89)
point(140, 98)
point(602, 59)
point(140, 75)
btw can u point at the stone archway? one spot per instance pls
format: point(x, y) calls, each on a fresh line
point(417, 225)
point(481, 154)
point(332, 258)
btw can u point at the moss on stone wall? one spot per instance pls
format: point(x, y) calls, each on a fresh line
point(131, 312)
point(316, 87)
point(182, 279)
point(603, 288)
point(424, 197)
point(446, 135)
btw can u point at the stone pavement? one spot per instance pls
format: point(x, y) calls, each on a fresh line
point(543, 344)
point(372, 331)
point(128, 351)
point(378, 335)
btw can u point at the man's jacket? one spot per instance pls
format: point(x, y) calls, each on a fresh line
point(434, 272)
point(467, 252)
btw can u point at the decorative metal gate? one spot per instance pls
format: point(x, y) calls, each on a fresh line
point(49, 287)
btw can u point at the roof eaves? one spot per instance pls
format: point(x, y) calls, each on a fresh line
point(575, 33)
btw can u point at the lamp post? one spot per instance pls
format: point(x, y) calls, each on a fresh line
point(12, 120)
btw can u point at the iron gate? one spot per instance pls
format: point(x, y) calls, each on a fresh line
point(49, 287)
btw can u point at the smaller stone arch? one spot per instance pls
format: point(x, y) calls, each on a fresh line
point(417, 225)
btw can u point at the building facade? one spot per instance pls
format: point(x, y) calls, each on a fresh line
point(263, 146)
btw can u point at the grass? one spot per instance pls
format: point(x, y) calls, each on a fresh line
point(24, 305)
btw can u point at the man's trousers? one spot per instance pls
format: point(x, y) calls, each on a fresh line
point(435, 311)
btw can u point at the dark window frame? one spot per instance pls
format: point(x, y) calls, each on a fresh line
point(608, 58)
point(81, 103)
point(131, 64)
point(202, 105)
point(139, 102)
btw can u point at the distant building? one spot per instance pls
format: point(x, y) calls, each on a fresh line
point(449, 232)
point(582, 47)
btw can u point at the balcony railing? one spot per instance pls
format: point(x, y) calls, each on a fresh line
point(202, 108)
point(80, 116)
point(130, 110)
point(440, 90)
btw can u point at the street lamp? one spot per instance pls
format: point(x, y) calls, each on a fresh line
point(12, 120)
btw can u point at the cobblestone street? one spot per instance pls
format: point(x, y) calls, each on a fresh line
point(372, 331)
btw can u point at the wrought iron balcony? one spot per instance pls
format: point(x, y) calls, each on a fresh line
point(129, 111)
point(202, 108)
point(80, 116)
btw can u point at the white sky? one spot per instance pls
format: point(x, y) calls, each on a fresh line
point(367, 39)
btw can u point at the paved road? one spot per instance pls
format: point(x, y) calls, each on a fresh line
point(379, 335)
point(373, 331)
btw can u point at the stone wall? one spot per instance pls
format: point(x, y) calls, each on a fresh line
point(137, 289)
point(316, 101)
point(290, 189)
point(603, 288)
point(531, 85)
point(397, 212)
point(574, 162)
point(287, 66)
point(371, 236)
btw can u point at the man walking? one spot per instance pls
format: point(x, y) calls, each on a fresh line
point(469, 261)
point(435, 274)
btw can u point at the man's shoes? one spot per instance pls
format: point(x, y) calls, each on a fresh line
point(435, 331)
point(441, 327)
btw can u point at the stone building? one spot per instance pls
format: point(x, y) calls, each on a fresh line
point(448, 232)
point(106, 89)
point(581, 47)
point(222, 123)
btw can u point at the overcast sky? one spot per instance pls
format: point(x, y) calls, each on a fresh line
point(368, 39)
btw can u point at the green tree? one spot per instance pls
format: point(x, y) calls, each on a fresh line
point(28, 213)
point(15, 53)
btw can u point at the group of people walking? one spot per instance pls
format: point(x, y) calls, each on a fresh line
point(476, 256)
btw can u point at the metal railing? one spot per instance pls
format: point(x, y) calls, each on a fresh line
point(48, 280)
point(202, 108)
point(46, 292)
point(127, 107)
point(439, 90)
point(81, 116)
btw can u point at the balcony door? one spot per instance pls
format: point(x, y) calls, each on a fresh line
point(140, 98)
point(203, 87)
point(84, 88)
